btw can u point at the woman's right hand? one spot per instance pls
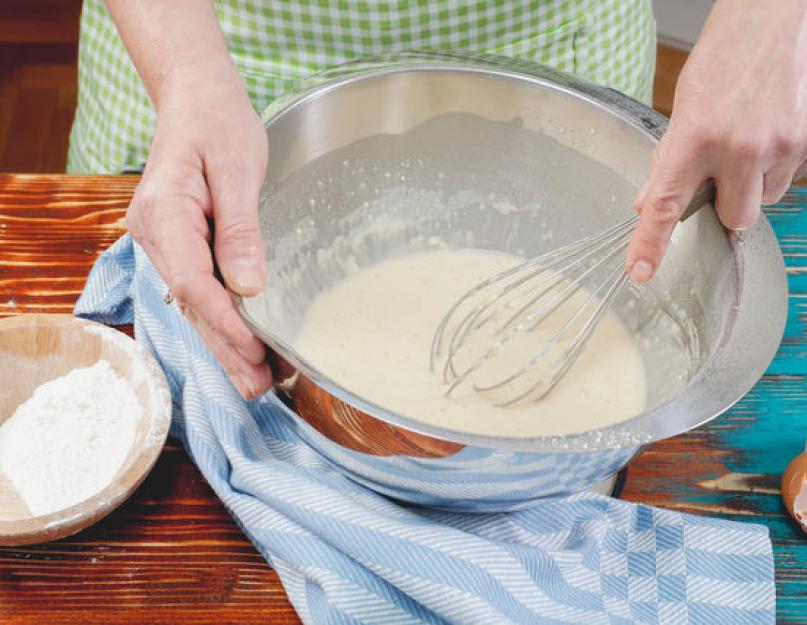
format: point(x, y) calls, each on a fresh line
point(206, 165)
point(739, 117)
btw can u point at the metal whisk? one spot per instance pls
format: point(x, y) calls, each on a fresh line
point(558, 298)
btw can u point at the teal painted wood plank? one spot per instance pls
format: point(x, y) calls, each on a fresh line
point(752, 444)
point(789, 221)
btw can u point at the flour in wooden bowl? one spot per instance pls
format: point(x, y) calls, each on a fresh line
point(68, 441)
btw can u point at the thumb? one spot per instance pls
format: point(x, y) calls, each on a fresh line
point(238, 245)
point(674, 177)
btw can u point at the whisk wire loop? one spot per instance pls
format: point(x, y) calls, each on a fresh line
point(570, 355)
point(556, 291)
point(559, 297)
point(591, 299)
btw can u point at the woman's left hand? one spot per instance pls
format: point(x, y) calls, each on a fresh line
point(739, 117)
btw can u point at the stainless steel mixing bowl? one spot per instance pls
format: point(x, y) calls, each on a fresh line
point(409, 152)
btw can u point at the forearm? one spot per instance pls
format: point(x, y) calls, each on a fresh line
point(793, 10)
point(175, 45)
point(783, 23)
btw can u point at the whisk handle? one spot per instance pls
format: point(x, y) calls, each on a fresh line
point(703, 196)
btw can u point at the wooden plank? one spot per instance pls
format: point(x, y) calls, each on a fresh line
point(669, 62)
point(28, 135)
point(171, 554)
point(9, 77)
point(52, 229)
point(39, 21)
point(37, 103)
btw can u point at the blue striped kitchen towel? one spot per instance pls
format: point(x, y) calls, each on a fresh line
point(347, 555)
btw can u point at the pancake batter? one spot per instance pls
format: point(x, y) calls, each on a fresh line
point(372, 333)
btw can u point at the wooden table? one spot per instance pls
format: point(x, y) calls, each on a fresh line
point(171, 554)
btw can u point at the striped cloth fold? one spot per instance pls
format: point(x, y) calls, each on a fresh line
point(347, 555)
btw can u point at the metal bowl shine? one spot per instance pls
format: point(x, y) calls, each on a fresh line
point(401, 153)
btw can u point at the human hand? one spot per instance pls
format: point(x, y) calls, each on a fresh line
point(207, 162)
point(739, 116)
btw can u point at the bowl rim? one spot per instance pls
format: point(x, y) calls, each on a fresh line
point(61, 523)
point(722, 380)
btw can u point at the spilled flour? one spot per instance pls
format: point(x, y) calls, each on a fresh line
point(67, 442)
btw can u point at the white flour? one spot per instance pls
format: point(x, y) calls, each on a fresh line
point(68, 441)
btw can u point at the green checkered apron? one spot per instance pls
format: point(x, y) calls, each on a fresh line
point(276, 43)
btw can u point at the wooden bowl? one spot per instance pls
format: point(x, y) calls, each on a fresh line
point(38, 348)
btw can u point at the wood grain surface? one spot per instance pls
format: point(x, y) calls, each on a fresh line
point(171, 554)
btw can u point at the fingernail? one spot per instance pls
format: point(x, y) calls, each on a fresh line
point(641, 271)
point(241, 385)
point(245, 275)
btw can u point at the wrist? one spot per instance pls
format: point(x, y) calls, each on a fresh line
point(198, 82)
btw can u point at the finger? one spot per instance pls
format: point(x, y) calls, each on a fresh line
point(183, 258)
point(801, 172)
point(739, 196)
point(777, 181)
point(204, 294)
point(238, 245)
point(251, 379)
point(675, 176)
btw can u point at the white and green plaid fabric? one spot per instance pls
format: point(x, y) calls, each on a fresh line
point(275, 43)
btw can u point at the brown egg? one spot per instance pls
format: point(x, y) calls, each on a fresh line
point(794, 489)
